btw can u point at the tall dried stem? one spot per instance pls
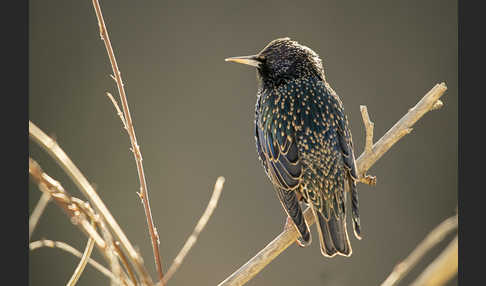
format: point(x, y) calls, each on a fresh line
point(154, 237)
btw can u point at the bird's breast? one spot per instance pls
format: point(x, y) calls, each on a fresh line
point(300, 105)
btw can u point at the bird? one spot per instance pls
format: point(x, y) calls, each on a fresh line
point(304, 143)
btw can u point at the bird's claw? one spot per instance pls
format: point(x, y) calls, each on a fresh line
point(368, 180)
point(290, 224)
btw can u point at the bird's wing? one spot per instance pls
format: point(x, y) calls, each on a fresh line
point(346, 145)
point(326, 172)
point(344, 136)
point(279, 155)
point(277, 150)
point(275, 140)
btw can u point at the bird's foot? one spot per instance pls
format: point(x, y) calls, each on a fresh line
point(290, 224)
point(368, 179)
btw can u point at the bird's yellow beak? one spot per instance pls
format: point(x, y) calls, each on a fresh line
point(247, 60)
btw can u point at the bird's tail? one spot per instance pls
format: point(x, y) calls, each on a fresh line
point(333, 235)
point(291, 205)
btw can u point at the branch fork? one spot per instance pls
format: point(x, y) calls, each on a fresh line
point(369, 128)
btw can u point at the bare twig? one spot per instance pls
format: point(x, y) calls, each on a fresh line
point(401, 128)
point(431, 240)
point(82, 263)
point(442, 269)
point(82, 183)
point(37, 212)
point(118, 111)
point(133, 139)
point(369, 127)
point(66, 247)
point(218, 187)
point(364, 162)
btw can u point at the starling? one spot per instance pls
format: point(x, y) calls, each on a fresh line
point(304, 142)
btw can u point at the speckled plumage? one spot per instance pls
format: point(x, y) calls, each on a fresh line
point(304, 143)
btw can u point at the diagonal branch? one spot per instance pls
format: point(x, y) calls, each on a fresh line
point(364, 162)
point(401, 128)
point(154, 237)
point(266, 255)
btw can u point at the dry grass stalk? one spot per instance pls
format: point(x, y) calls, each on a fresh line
point(53, 149)
point(79, 211)
point(71, 206)
point(442, 269)
point(432, 239)
point(69, 249)
point(82, 263)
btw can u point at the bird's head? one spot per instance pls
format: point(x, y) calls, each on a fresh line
point(283, 59)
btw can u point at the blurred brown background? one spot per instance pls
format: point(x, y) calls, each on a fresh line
point(193, 116)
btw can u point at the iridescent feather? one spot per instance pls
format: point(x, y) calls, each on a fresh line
point(304, 143)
